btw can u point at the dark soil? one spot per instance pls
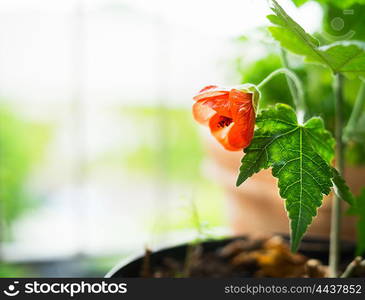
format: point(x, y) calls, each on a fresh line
point(244, 257)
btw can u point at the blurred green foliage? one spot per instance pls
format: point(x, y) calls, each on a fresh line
point(166, 142)
point(274, 91)
point(336, 3)
point(206, 194)
point(358, 209)
point(10, 270)
point(318, 93)
point(178, 152)
point(339, 24)
point(316, 79)
point(21, 145)
point(342, 19)
point(168, 147)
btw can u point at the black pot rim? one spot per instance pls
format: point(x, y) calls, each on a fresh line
point(308, 247)
point(159, 250)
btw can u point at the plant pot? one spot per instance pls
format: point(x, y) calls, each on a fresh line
point(311, 248)
point(256, 206)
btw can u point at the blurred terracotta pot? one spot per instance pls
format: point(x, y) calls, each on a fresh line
point(256, 207)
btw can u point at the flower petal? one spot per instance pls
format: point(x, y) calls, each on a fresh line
point(242, 131)
point(221, 133)
point(202, 113)
point(208, 87)
point(229, 113)
point(240, 97)
point(211, 91)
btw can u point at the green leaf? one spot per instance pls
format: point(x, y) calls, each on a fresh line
point(322, 140)
point(296, 160)
point(341, 188)
point(339, 3)
point(291, 35)
point(358, 209)
point(346, 57)
point(299, 2)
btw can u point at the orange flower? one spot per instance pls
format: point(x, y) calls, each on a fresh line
point(229, 113)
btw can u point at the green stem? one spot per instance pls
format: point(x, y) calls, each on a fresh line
point(356, 113)
point(298, 95)
point(296, 84)
point(351, 268)
point(340, 161)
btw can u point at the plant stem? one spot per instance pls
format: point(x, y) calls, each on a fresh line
point(296, 85)
point(356, 112)
point(357, 262)
point(146, 265)
point(297, 95)
point(336, 204)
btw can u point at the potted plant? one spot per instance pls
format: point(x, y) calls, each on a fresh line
point(294, 147)
point(258, 198)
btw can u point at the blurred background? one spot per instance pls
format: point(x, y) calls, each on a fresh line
point(99, 154)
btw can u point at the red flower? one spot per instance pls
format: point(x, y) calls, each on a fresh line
point(229, 113)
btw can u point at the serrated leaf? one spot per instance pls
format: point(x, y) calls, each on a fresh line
point(291, 35)
point(341, 188)
point(346, 57)
point(322, 140)
point(286, 146)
